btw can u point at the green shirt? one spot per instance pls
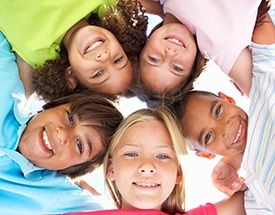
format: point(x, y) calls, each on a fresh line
point(35, 28)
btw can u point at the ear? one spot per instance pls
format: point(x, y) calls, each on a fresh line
point(179, 175)
point(110, 170)
point(227, 98)
point(71, 80)
point(205, 155)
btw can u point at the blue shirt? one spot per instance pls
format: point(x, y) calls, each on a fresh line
point(25, 188)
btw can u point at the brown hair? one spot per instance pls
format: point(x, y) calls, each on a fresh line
point(154, 99)
point(127, 21)
point(90, 108)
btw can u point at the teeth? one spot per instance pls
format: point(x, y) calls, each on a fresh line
point(93, 46)
point(238, 134)
point(175, 41)
point(144, 184)
point(46, 140)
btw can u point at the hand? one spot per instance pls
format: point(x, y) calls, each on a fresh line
point(85, 186)
point(225, 177)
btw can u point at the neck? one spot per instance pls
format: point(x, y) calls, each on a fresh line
point(67, 37)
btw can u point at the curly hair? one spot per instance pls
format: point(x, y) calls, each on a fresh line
point(127, 21)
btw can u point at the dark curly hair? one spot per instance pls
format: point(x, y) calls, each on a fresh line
point(127, 21)
point(90, 108)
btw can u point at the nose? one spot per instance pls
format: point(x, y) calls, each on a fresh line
point(63, 135)
point(103, 56)
point(225, 129)
point(170, 51)
point(147, 167)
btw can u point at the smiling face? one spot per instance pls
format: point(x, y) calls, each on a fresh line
point(144, 166)
point(214, 125)
point(55, 140)
point(98, 60)
point(168, 57)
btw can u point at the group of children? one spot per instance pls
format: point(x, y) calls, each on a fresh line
point(88, 53)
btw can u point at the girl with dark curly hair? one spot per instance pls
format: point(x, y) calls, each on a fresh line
point(74, 46)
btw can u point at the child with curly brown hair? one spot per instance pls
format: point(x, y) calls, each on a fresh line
point(40, 152)
point(74, 46)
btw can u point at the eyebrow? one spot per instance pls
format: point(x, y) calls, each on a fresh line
point(213, 104)
point(123, 66)
point(89, 143)
point(104, 80)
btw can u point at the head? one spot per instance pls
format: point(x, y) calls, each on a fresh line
point(71, 134)
point(211, 123)
point(101, 57)
point(143, 166)
point(170, 61)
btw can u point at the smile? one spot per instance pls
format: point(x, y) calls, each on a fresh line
point(175, 40)
point(238, 133)
point(92, 46)
point(144, 184)
point(46, 140)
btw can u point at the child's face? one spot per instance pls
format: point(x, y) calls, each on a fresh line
point(168, 57)
point(144, 166)
point(98, 60)
point(214, 125)
point(56, 140)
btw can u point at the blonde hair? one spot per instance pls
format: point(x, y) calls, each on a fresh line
point(175, 202)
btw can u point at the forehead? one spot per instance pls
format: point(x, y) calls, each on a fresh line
point(146, 133)
point(198, 114)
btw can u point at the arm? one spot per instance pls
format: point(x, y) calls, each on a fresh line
point(231, 205)
point(265, 33)
point(262, 34)
point(25, 72)
point(225, 175)
point(241, 72)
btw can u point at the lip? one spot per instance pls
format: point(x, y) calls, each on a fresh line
point(146, 185)
point(176, 38)
point(42, 143)
point(88, 49)
point(240, 134)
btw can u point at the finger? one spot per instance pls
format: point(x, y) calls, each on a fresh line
point(85, 186)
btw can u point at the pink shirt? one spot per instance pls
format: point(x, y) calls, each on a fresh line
point(223, 28)
point(208, 209)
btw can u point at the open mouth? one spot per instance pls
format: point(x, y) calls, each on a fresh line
point(93, 45)
point(175, 40)
point(238, 134)
point(145, 184)
point(46, 141)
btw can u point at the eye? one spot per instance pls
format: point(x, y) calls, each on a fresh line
point(162, 157)
point(99, 73)
point(70, 117)
point(207, 137)
point(154, 59)
point(117, 60)
point(131, 154)
point(79, 146)
point(177, 68)
point(218, 110)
